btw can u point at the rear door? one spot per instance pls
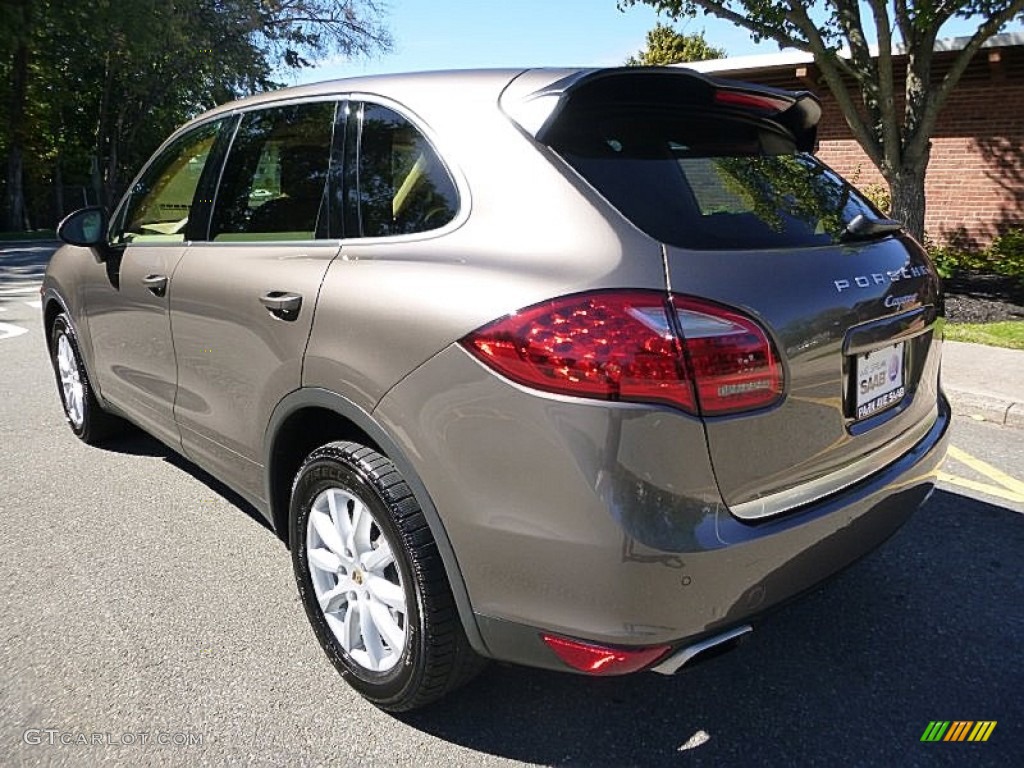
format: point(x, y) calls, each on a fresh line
point(243, 300)
point(751, 223)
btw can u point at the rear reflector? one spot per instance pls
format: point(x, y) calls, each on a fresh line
point(601, 660)
point(622, 345)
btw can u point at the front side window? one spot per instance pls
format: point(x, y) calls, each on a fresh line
point(274, 182)
point(158, 205)
point(401, 185)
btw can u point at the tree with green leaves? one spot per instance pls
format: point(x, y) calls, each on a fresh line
point(894, 128)
point(667, 46)
point(91, 87)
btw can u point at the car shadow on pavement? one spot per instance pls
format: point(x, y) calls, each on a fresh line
point(135, 442)
point(24, 261)
point(928, 627)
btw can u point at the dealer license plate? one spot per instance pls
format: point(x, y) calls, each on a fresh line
point(879, 380)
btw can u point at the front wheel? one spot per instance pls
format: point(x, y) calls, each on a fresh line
point(372, 582)
point(82, 410)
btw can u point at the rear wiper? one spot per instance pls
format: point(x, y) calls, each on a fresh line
point(861, 228)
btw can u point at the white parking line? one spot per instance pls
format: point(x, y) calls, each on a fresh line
point(20, 290)
point(37, 304)
point(9, 331)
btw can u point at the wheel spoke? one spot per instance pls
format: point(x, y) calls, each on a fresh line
point(339, 513)
point(324, 559)
point(333, 599)
point(393, 634)
point(359, 536)
point(349, 636)
point(328, 534)
point(371, 636)
point(379, 558)
point(386, 592)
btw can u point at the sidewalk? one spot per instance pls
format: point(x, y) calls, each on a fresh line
point(985, 381)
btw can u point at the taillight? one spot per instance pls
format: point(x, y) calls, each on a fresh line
point(621, 345)
point(612, 346)
point(734, 363)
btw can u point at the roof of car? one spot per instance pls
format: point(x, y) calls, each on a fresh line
point(472, 83)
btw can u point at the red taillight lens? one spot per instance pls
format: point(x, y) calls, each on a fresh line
point(621, 345)
point(601, 660)
point(612, 346)
point(733, 361)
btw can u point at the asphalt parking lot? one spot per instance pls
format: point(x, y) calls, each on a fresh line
point(144, 603)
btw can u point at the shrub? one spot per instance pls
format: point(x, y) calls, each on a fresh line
point(1006, 254)
point(949, 259)
point(879, 196)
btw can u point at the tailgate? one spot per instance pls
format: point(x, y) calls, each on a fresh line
point(718, 173)
point(841, 318)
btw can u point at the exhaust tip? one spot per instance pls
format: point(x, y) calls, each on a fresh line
point(706, 648)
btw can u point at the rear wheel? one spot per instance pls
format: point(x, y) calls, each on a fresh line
point(372, 582)
point(82, 410)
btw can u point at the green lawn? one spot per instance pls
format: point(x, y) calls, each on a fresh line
point(39, 234)
point(1009, 333)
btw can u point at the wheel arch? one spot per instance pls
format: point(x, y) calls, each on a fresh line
point(53, 306)
point(310, 417)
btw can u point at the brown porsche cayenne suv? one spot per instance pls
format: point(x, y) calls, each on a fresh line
point(578, 369)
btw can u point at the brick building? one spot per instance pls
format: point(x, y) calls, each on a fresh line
point(975, 181)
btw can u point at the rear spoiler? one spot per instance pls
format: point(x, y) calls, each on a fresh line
point(537, 111)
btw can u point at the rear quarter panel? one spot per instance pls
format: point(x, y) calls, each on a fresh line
point(528, 231)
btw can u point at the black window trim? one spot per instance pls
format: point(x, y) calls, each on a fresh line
point(359, 100)
point(120, 209)
point(333, 234)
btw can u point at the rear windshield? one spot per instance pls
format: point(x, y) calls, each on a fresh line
point(707, 181)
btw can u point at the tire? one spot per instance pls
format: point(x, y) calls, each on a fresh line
point(386, 619)
point(82, 410)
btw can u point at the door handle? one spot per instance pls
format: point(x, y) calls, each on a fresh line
point(282, 304)
point(157, 284)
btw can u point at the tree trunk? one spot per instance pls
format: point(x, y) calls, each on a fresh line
point(58, 189)
point(906, 187)
point(16, 219)
point(14, 204)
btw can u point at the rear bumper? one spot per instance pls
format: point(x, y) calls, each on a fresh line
point(603, 522)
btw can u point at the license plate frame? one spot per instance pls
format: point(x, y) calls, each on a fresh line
point(879, 380)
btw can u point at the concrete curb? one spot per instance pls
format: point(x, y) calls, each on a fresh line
point(997, 410)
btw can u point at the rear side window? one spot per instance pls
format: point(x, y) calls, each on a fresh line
point(274, 182)
point(706, 181)
point(401, 186)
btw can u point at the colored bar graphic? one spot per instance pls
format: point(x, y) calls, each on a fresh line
point(958, 730)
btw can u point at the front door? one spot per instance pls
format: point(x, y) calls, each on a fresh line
point(127, 302)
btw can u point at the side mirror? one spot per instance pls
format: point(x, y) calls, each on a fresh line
point(86, 227)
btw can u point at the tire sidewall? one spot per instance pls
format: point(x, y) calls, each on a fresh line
point(62, 327)
point(332, 469)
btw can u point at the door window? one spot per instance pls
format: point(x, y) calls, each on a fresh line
point(274, 181)
point(402, 187)
point(158, 205)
